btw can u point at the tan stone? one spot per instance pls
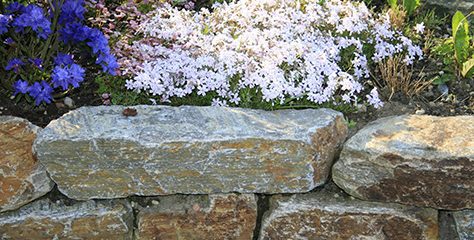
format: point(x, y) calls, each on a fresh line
point(219, 217)
point(416, 160)
point(323, 215)
point(97, 152)
point(22, 178)
point(84, 220)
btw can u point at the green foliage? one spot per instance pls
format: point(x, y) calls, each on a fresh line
point(462, 43)
point(207, 3)
point(430, 19)
point(410, 6)
point(250, 98)
point(460, 37)
point(115, 86)
point(444, 51)
point(145, 7)
point(443, 79)
point(456, 52)
point(392, 3)
point(468, 67)
point(350, 123)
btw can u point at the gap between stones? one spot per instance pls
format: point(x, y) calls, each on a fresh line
point(447, 225)
point(263, 205)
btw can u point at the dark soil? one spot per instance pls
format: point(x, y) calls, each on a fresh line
point(41, 116)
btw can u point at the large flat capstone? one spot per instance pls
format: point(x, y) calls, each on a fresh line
point(97, 152)
point(22, 178)
point(44, 219)
point(415, 160)
point(323, 215)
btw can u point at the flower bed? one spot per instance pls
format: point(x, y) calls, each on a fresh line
point(272, 51)
point(42, 46)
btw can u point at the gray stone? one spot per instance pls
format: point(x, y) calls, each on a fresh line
point(464, 224)
point(22, 178)
point(83, 220)
point(98, 152)
point(447, 226)
point(220, 216)
point(322, 215)
point(415, 160)
point(465, 6)
point(69, 102)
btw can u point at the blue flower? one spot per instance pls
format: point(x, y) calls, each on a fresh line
point(60, 77)
point(38, 62)
point(108, 62)
point(63, 59)
point(41, 92)
point(14, 64)
point(20, 86)
point(97, 41)
point(9, 41)
point(74, 32)
point(76, 75)
point(69, 75)
point(14, 7)
point(72, 11)
point(4, 23)
point(33, 17)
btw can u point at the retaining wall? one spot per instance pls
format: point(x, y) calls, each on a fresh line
point(230, 173)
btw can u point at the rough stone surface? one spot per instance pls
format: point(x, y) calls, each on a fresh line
point(464, 224)
point(447, 226)
point(22, 178)
point(323, 215)
point(466, 6)
point(415, 160)
point(207, 217)
point(85, 220)
point(97, 152)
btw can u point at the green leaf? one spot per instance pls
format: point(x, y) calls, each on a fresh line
point(467, 66)
point(411, 5)
point(457, 19)
point(206, 30)
point(460, 37)
point(443, 79)
point(392, 3)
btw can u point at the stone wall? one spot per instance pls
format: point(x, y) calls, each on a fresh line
point(229, 173)
point(465, 6)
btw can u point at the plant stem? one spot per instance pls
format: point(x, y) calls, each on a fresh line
point(45, 54)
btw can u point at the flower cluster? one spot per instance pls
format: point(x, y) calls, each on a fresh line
point(314, 50)
point(49, 63)
point(32, 16)
point(121, 24)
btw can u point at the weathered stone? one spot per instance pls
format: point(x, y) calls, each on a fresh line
point(84, 220)
point(464, 224)
point(416, 160)
point(465, 6)
point(22, 178)
point(322, 215)
point(447, 226)
point(97, 152)
point(207, 217)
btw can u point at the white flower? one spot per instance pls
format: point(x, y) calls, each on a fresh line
point(270, 46)
point(373, 98)
point(420, 28)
